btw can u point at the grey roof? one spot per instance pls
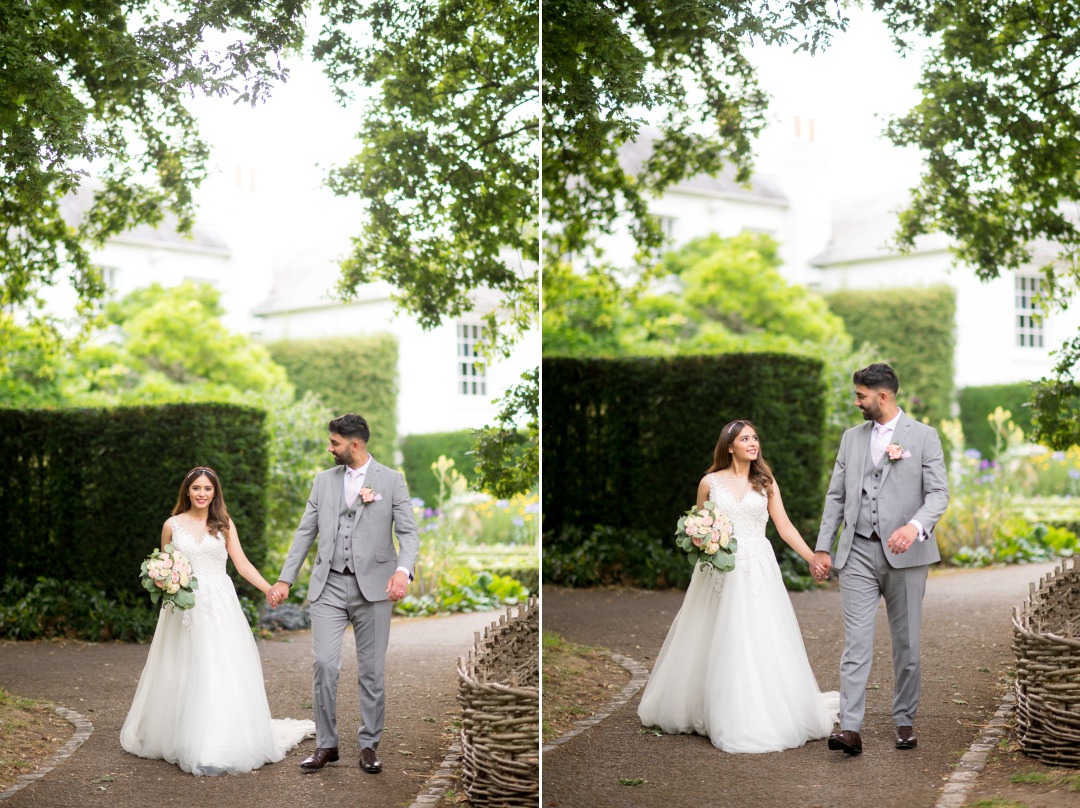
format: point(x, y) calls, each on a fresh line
point(865, 229)
point(760, 188)
point(202, 237)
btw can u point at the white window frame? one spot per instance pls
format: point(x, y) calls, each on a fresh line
point(1029, 325)
point(471, 370)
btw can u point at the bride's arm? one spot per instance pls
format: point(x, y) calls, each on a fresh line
point(702, 491)
point(166, 533)
point(784, 527)
point(243, 566)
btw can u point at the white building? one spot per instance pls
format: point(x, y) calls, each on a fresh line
point(275, 262)
point(444, 383)
point(1001, 337)
point(829, 246)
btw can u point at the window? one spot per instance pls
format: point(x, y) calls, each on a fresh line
point(472, 378)
point(1029, 328)
point(667, 227)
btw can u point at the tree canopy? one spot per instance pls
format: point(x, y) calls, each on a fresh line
point(714, 295)
point(999, 126)
point(612, 66)
point(449, 161)
point(100, 87)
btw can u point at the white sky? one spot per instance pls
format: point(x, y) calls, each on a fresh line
point(848, 91)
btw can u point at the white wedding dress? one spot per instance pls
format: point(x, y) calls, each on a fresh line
point(201, 702)
point(733, 666)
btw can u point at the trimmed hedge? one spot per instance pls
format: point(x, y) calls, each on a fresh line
point(84, 493)
point(350, 374)
point(915, 328)
point(420, 451)
point(625, 441)
point(976, 403)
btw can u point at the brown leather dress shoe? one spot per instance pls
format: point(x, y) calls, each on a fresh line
point(847, 741)
point(905, 738)
point(319, 758)
point(368, 761)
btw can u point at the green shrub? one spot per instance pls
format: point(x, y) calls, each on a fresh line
point(978, 403)
point(419, 452)
point(84, 493)
point(463, 590)
point(919, 342)
point(349, 374)
point(626, 441)
point(51, 608)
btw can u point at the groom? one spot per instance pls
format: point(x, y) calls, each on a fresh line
point(889, 489)
point(355, 509)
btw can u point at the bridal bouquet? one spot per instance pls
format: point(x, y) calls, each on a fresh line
point(166, 575)
point(707, 536)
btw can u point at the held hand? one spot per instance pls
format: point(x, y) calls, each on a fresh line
point(820, 565)
point(277, 594)
point(902, 538)
point(397, 586)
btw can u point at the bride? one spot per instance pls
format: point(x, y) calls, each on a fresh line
point(733, 666)
point(200, 702)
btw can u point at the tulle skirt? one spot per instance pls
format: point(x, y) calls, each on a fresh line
point(201, 702)
point(734, 667)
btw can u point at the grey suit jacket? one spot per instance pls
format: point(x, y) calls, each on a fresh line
point(374, 554)
point(915, 487)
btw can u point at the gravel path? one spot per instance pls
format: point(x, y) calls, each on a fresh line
point(967, 639)
point(98, 681)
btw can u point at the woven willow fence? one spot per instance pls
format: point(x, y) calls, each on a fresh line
point(1046, 641)
point(499, 693)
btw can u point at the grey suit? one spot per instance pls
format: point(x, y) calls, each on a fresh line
point(354, 560)
point(880, 499)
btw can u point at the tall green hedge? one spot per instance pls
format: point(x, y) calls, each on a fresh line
point(84, 493)
point(976, 403)
point(915, 328)
point(350, 374)
point(625, 441)
point(420, 451)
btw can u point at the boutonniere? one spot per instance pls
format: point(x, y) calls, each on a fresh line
point(368, 495)
point(896, 452)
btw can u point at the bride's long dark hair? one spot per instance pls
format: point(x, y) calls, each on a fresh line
point(217, 515)
point(761, 476)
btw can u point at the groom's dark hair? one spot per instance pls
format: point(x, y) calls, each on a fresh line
point(351, 425)
point(877, 376)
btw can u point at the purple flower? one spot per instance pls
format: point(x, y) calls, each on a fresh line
point(972, 454)
point(1058, 455)
point(517, 520)
point(1074, 474)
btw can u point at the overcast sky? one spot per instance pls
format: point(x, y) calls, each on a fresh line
point(848, 91)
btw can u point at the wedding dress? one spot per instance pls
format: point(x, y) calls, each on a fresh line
point(733, 666)
point(201, 702)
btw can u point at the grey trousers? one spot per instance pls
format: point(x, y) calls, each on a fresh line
point(339, 604)
point(864, 580)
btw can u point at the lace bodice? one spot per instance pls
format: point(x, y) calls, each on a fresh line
point(207, 555)
point(748, 516)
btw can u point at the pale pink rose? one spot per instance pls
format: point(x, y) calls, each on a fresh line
point(896, 452)
point(696, 540)
point(707, 520)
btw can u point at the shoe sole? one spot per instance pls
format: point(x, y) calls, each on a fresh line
point(906, 744)
point(837, 745)
point(310, 769)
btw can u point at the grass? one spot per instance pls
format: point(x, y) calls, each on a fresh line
point(29, 733)
point(577, 682)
